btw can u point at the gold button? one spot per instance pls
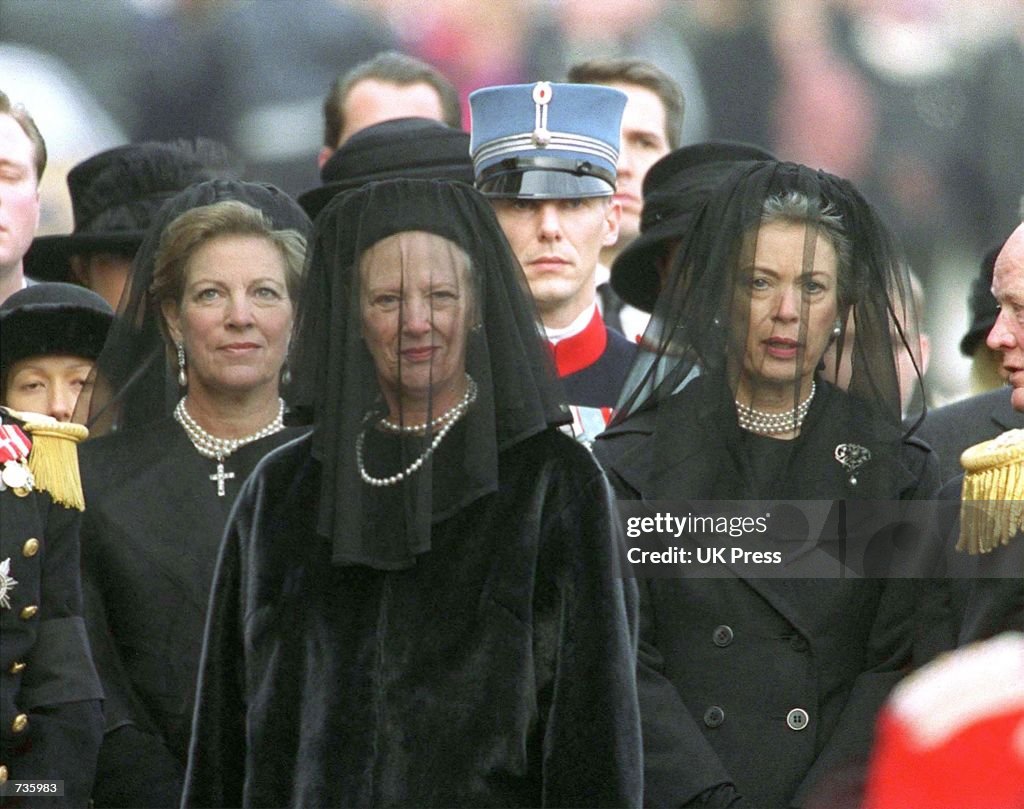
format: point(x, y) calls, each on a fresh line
point(17, 667)
point(20, 723)
point(31, 548)
point(29, 612)
point(3, 774)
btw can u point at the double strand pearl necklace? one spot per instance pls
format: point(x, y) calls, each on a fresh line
point(446, 421)
point(765, 423)
point(219, 449)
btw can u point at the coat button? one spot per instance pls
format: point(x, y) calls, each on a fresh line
point(29, 612)
point(20, 723)
point(3, 774)
point(17, 667)
point(797, 719)
point(798, 643)
point(30, 548)
point(714, 716)
point(722, 636)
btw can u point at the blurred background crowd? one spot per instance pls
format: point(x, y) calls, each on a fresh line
point(919, 102)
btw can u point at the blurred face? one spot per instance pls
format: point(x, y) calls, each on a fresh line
point(558, 242)
point(1007, 335)
point(643, 142)
point(371, 102)
point(104, 273)
point(19, 194)
point(235, 317)
point(416, 302)
point(49, 384)
point(792, 311)
point(840, 371)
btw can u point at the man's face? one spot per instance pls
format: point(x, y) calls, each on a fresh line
point(19, 194)
point(558, 242)
point(644, 142)
point(371, 102)
point(1007, 335)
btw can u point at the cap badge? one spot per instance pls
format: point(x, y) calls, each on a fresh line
point(7, 583)
point(542, 94)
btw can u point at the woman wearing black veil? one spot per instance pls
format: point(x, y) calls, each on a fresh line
point(192, 370)
point(752, 689)
point(418, 604)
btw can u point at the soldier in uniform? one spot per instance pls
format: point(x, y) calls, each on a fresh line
point(545, 155)
point(50, 710)
point(50, 336)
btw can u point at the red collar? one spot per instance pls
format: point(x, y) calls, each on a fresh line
point(581, 350)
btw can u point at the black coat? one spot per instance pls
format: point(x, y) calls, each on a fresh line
point(769, 684)
point(150, 537)
point(50, 695)
point(497, 671)
point(988, 588)
point(951, 429)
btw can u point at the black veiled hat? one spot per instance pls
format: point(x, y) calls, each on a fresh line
point(984, 308)
point(734, 324)
point(517, 394)
point(53, 318)
point(673, 191)
point(116, 194)
point(405, 148)
point(134, 384)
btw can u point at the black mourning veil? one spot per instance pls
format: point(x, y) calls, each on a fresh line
point(414, 269)
point(702, 326)
point(135, 378)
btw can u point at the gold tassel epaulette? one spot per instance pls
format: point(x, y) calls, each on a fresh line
point(992, 502)
point(53, 459)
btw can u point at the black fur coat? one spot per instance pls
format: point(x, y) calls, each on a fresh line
point(498, 671)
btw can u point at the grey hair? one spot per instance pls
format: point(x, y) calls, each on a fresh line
point(797, 208)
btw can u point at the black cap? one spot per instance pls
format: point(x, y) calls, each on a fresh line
point(674, 190)
point(116, 194)
point(403, 148)
point(53, 318)
point(984, 309)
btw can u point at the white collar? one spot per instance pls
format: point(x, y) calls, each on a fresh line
point(574, 328)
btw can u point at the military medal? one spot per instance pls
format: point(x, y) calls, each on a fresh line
point(7, 583)
point(14, 450)
point(852, 457)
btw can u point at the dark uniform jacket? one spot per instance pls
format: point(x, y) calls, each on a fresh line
point(50, 700)
point(592, 367)
point(768, 684)
point(951, 429)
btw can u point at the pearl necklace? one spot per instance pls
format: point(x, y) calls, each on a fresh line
point(447, 420)
point(419, 429)
point(765, 423)
point(219, 449)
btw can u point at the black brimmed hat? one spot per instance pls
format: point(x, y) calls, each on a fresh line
point(53, 318)
point(984, 309)
point(674, 190)
point(404, 148)
point(116, 194)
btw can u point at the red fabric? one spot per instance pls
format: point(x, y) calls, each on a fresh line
point(14, 444)
point(979, 767)
point(581, 350)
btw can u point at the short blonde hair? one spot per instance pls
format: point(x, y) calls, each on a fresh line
point(185, 234)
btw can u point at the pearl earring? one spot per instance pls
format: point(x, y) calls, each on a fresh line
point(182, 378)
point(838, 328)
